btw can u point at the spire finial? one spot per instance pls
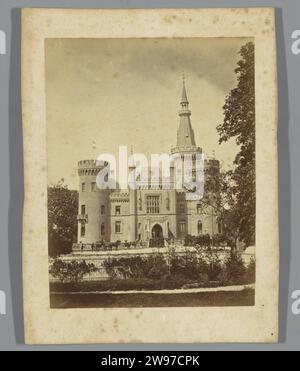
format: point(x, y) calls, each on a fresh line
point(131, 163)
point(184, 101)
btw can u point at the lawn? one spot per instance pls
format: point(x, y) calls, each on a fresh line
point(137, 284)
point(245, 297)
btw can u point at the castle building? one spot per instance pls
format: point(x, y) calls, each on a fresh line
point(148, 211)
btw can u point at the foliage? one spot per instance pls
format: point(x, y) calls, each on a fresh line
point(235, 269)
point(157, 242)
point(185, 265)
point(202, 266)
point(203, 240)
point(239, 123)
point(219, 240)
point(62, 219)
point(213, 264)
point(154, 266)
point(251, 271)
point(70, 271)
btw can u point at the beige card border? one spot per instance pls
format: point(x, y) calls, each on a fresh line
point(118, 325)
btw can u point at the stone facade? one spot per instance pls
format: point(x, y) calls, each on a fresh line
point(147, 211)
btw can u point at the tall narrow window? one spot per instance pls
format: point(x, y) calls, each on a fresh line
point(199, 227)
point(82, 209)
point(118, 227)
point(219, 226)
point(102, 229)
point(82, 230)
point(198, 208)
point(118, 210)
point(102, 209)
point(182, 226)
point(93, 186)
point(83, 187)
point(152, 204)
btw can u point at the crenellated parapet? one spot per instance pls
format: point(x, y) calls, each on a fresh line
point(89, 167)
point(186, 150)
point(119, 196)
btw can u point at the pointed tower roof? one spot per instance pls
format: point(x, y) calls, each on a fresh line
point(184, 99)
point(185, 133)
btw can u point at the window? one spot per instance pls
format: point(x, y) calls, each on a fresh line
point(102, 209)
point(182, 226)
point(117, 210)
point(93, 186)
point(168, 203)
point(198, 208)
point(102, 229)
point(82, 209)
point(182, 208)
point(219, 227)
point(83, 187)
point(82, 230)
point(118, 227)
point(199, 227)
point(152, 204)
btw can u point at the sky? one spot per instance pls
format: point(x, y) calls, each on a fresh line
point(102, 93)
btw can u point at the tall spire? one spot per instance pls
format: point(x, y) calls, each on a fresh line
point(185, 133)
point(184, 101)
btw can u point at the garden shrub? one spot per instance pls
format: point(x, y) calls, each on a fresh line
point(235, 268)
point(70, 271)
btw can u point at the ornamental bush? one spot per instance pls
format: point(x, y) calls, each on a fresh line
point(70, 271)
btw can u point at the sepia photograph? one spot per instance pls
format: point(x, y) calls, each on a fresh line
point(151, 111)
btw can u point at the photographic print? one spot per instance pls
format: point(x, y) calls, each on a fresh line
point(134, 106)
point(151, 153)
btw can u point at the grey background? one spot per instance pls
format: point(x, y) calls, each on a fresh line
point(11, 168)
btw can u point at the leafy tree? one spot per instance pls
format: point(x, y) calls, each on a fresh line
point(70, 271)
point(239, 123)
point(62, 219)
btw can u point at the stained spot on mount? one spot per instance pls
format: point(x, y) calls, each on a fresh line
point(170, 18)
point(267, 21)
point(216, 20)
point(115, 325)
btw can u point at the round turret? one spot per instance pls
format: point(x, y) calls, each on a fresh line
point(93, 204)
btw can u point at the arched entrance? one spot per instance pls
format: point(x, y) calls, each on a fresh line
point(157, 231)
